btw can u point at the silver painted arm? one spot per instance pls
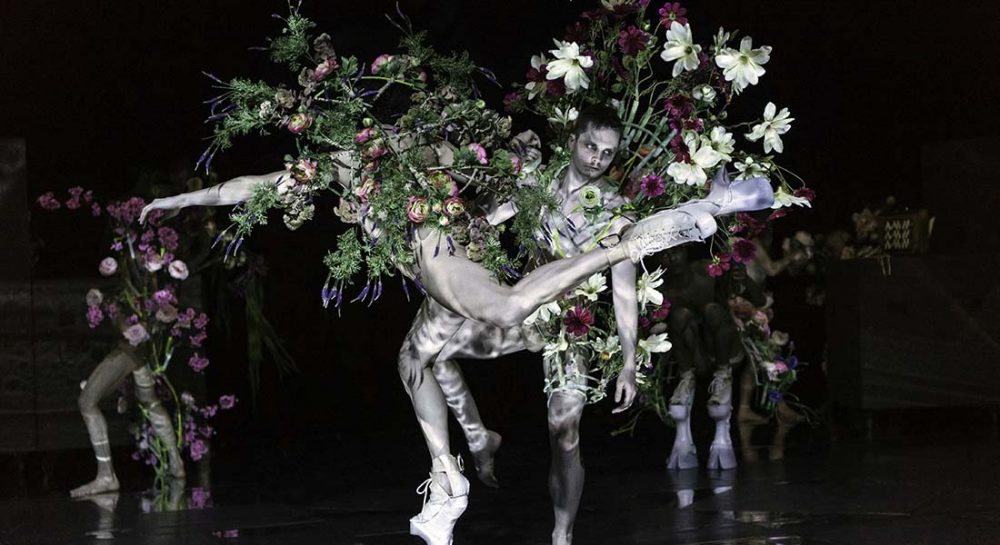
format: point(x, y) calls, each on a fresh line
point(626, 305)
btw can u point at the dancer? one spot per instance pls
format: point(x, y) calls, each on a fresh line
point(468, 290)
point(106, 377)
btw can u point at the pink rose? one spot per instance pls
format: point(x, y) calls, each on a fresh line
point(380, 62)
point(154, 262)
point(418, 209)
point(454, 207)
point(480, 152)
point(324, 68)
point(367, 188)
point(365, 135)
point(178, 270)
point(299, 122)
point(136, 334)
point(304, 170)
point(108, 266)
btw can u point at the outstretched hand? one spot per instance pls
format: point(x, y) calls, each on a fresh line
point(167, 204)
point(625, 390)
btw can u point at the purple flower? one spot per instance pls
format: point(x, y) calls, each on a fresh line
point(94, 316)
point(578, 320)
point(48, 201)
point(74, 198)
point(227, 402)
point(198, 363)
point(187, 399)
point(112, 310)
point(513, 102)
point(154, 262)
point(198, 338)
point(744, 251)
point(95, 209)
point(671, 12)
point(652, 186)
point(108, 266)
point(632, 40)
point(775, 396)
point(168, 238)
point(136, 334)
point(201, 321)
point(164, 297)
point(200, 498)
point(209, 411)
point(206, 431)
point(166, 313)
point(365, 135)
point(198, 449)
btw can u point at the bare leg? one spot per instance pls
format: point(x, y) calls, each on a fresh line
point(483, 443)
point(446, 490)
point(145, 392)
point(566, 474)
point(103, 380)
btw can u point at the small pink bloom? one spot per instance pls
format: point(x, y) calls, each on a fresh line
point(365, 135)
point(304, 170)
point(418, 209)
point(94, 316)
point(744, 251)
point(367, 188)
point(380, 62)
point(108, 266)
point(299, 122)
point(454, 206)
point(227, 402)
point(480, 152)
point(136, 334)
point(154, 262)
point(167, 313)
point(178, 270)
point(48, 201)
point(198, 363)
point(324, 68)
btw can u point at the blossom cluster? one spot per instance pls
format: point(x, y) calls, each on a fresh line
point(672, 94)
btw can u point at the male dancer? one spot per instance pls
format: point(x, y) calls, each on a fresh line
point(594, 145)
point(469, 290)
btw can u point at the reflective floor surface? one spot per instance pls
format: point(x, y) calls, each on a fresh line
point(800, 488)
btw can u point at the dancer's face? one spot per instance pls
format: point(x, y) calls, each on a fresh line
point(593, 151)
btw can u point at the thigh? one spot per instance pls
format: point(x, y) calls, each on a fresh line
point(480, 341)
point(460, 285)
point(432, 329)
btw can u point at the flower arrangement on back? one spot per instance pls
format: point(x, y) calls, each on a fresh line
point(673, 96)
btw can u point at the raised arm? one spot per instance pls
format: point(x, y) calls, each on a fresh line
point(623, 276)
point(227, 193)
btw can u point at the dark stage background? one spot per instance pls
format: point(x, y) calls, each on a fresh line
point(889, 98)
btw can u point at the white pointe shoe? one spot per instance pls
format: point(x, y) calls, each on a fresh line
point(436, 521)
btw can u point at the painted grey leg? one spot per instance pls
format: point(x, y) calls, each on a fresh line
point(566, 475)
point(483, 443)
point(145, 392)
point(103, 380)
point(446, 491)
point(720, 409)
point(684, 454)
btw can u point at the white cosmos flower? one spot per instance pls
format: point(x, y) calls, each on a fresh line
point(771, 129)
point(569, 65)
point(645, 288)
point(652, 344)
point(606, 348)
point(745, 66)
point(559, 345)
point(783, 198)
point(722, 142)
point(702, 157)
point(536, 87)
point(751, 168)
point(680, 47)
point(564, 118)
point(543, 313)
point(593, 286)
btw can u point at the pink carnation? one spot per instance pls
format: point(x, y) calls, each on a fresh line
point(380, 62)
point(136, 334)
point(108, 266)
point(480, 152)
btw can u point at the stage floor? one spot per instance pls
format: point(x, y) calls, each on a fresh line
point(360, 491)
